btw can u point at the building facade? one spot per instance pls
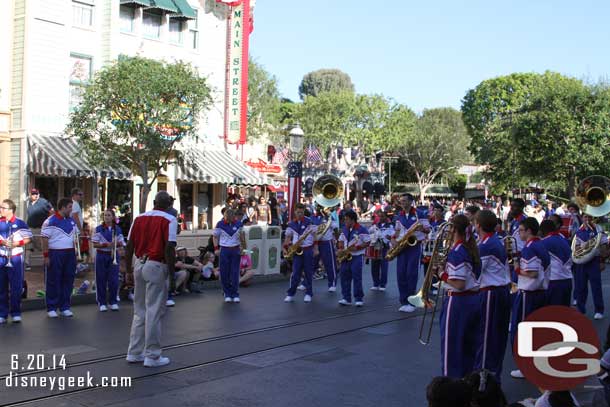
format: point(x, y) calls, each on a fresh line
point(53, 48)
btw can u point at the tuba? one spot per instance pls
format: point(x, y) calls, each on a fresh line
point(593, 196)
point(327, 192)
point(438, 260)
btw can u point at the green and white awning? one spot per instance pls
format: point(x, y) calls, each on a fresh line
point(217, 166)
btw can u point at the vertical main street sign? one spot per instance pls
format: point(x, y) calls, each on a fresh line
point(236, 101)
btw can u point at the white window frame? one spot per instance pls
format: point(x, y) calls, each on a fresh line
point(124, 20)
point(145, 28)
point(77, 84)
point(176, 37)
point(193, 29)
point(83, 5)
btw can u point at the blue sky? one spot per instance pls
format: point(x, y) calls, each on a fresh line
point(429, 53)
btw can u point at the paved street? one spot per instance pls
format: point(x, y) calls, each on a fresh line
point(261, 352)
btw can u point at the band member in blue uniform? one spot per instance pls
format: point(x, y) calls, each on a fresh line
point(354, 238)
point(14, 235)
point(301, 227)
point(533, 281)
point(515, 217)
point(589, 272)
point(494, 284)
point(228, 240)
point(108, 237)
point(560, 252)
point(381, 233)
point(408, 261)
point(59, 233)
point(326, 248)
point(461, 313)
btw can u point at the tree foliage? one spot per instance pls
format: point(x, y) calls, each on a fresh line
point(325, 80)
point(264, 105)
point(135, 113)
point(437, 147)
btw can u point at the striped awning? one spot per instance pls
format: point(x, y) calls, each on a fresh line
point(55, 156)
point(217, 167)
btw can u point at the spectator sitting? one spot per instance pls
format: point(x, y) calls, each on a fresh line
point(245, 270)
point(448, 392)
point(556, 399)
point(486, 391)
point(191, 266)
point(209, 271)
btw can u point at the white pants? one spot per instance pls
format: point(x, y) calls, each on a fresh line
point(151, 287)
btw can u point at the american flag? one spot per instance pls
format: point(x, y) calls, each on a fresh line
point(280, 156)
point(313, 154)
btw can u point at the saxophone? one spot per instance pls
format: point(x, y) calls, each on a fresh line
point(407, 240)
point(296, 247)
point(346, 254)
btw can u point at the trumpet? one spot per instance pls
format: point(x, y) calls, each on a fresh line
point(438, 261)
point(8, 250)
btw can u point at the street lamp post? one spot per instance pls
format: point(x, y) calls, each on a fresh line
point(295, 168)
point(390, 161)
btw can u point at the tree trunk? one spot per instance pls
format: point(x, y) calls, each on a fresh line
point(422, 191)
point(145, 189)
point(572, 183)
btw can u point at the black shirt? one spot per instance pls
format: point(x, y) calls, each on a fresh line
point(38, 212)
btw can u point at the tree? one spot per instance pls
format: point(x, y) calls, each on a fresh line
point(488, 111)
point(325, 80)
point(263, 102)
point(438, 146)
point(135, 113)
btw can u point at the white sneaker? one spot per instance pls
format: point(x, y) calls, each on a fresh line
point(228, 299)
point(381, 288)
point(103, 308)
point(359, 303)
point(301, 287)
point(574, 302)
point(130, 296)
point(114, 307)
point(134, 358)
point(289, 298)
point(517, 374)
point(118, 298)
point(407, 308)
point(2, 320)
point(307, 298)
point(598, 316)
point(345, 302)
point(332, 289)
point(236, 299)
point(16, 319)
point(52, 314)
point(161, 361)
point(374, 288)
point(67, 313)
point(170, 303)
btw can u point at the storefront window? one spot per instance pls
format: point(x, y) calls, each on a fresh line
point(204, 199)
point(186, 204)
point(48, 187)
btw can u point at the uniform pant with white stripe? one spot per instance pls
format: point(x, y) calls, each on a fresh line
point(11, 287)
point(302, 264)
point(106, 276)
point(229, 270)
point(379, 270)
point(59, 279)
point(588, 273)
point(329, 259)
point(460, 338)
point(407, 269)
point(351, 273)
point(495, 317)
point(525, 303)
point(559, 292)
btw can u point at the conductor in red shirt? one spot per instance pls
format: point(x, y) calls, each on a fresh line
point(152, 240)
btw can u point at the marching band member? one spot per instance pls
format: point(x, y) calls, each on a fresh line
point(326, 248)
point(590, 271)
point(407, 265)
point(379, 266)
point(461, 313)
point(495, 295)
point(302, 264)
point(560, 252)
point(228, 240)
point(533, 278)
point(59, 233)
point(354, 238)
point(107, 238)
point(14, 235)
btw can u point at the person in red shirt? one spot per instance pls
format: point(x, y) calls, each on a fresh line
point(152, 240)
